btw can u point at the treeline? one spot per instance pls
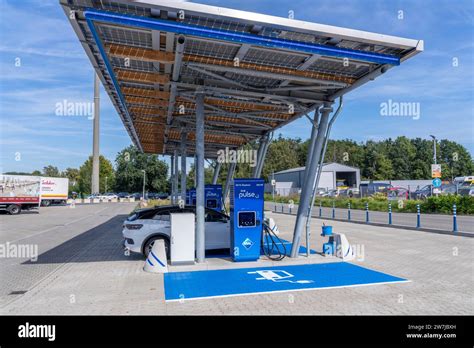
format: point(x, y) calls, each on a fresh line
point(390, 159)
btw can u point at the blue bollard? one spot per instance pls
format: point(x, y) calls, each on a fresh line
point(349, 211)
point(320, 209)
point(418, 216)
point(389, 213)
point(367, 212)
point(333, 210)
point(455, 223)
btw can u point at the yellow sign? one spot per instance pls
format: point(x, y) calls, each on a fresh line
point(436, 170)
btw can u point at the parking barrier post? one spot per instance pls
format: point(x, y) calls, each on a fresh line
point(389, 213)
point(349, 211)
point(367, 212)
point(333, 210)
point(455, 223)
point(418, 216)
point(320, 208)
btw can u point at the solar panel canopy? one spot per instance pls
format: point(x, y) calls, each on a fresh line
point(257, 72)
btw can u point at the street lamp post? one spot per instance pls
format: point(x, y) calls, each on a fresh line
point(434, 157)
point(434, 148)
point(143, 197)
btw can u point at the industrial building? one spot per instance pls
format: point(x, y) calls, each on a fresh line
point(331, 174)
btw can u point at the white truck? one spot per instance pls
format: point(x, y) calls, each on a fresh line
point(19, 192)
point(54, 190)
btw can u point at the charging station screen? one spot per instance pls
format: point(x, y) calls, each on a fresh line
point(211, 203)
point(247, 219)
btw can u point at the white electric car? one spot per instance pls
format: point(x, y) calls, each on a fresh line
point(143, 227)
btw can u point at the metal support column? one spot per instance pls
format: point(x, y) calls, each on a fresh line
point(310, 178)
point(95, 142)
point(183, 165)
point(230, 175)
point(265, 143)
point(176, 176)
point(200, 236)
point(217, 169)
point(318, 174)
point(172, 178)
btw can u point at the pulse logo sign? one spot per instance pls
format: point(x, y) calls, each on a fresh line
point(247, 194)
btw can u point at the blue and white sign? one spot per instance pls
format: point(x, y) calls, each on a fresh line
point(244, 281)
point(436, 182)
point(247, 243)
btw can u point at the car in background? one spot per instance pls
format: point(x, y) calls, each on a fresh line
point(370, 188)
point(397, 193)
point(108, 196)
point(136, 195)
point(422, 193)
point(466, 189)
point(145, 226)
point(123, 195)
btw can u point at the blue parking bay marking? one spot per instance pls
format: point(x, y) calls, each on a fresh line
point(246, 281)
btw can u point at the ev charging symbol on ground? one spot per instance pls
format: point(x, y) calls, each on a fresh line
point(278, 276)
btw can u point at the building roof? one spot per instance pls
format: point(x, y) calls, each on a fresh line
point(258, 72)
point(327, 167)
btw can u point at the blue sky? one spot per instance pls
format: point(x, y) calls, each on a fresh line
point(53, 68)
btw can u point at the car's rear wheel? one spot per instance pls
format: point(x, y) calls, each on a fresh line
point(149, 245)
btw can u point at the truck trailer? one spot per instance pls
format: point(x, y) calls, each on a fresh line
point(54, 190)
point(19, 192)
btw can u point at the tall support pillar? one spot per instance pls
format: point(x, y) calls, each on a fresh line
point(95, 141)
point(183, 165)
point(172, 170)
point(263, 154)
point(306, 190)
point(176, 176)
point(314, 132)
point(230, 175)
point(217, 169)
point(200, 234)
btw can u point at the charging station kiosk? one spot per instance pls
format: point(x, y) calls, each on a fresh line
point(246, 218)
point(212, 197)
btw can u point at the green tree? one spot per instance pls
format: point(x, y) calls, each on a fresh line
point(282, 153)
point(51, 171)
point(455, 160)
point(106, 170)
point(73, 175)
point(129, 175)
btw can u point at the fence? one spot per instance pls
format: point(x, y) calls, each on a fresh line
point(365, 215)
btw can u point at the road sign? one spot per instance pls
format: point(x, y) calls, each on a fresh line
point(273, 182)
point(436, 170)
point(436, 182)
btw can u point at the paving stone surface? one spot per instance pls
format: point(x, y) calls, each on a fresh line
point(82, 269)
